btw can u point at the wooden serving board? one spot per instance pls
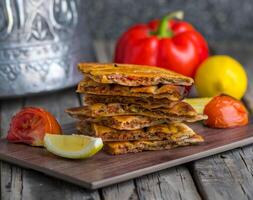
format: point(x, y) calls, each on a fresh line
point(103, 169)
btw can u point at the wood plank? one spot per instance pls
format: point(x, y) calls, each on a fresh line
point(122, 191)
point(11, 176)
point(111, 46)
point(8, 109)
point(229, 175)
point(226, 176)
point(101, 51)
point(11, 181)
point(107, 169)
point(248, 98)
point(174, 183)
point(37, 185)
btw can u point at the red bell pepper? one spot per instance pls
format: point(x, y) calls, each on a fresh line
point(169, 43)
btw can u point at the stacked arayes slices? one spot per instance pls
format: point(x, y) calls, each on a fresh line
point(135, 108)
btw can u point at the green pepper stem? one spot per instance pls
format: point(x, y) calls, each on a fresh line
point(163, 29)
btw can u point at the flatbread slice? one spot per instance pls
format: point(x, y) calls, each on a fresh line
point(116, 148)
point(132, 75)
point(180, 112)
point(168, 131)
point(146, 102)
point(126, 122)
point(171, 92)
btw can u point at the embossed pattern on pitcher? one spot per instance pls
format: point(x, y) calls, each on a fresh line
point(39, 45)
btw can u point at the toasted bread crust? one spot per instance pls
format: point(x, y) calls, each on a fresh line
point(146, 102)
point(167, 131)
point(132, 75)
point(171, 92)
point(180, 112)
point(124, 122)
point(116, 148)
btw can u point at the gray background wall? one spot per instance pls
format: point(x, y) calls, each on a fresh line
point(216, 19)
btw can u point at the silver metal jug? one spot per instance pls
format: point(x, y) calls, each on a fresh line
point(41, 41)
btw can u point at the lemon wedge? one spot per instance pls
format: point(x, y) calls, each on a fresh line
point(198, 103)
point(72, 146)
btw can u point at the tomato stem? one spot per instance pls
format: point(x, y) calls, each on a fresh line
point(164, 30)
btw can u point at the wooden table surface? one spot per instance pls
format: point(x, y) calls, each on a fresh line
point(224, 176)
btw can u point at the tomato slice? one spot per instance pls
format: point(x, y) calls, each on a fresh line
point(225, 112)
point(30, 125)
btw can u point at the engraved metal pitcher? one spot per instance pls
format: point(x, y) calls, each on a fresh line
point(41, 41)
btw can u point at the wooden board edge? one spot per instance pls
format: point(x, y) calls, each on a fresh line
point(130, 175)
point(47, 172)
point(176, 162)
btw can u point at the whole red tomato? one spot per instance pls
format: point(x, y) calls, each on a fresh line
point(171, 44)
point(30, 125)
point(225, 112)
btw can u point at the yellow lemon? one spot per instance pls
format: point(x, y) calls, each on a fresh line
point(72, 146)
point(221, 74)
